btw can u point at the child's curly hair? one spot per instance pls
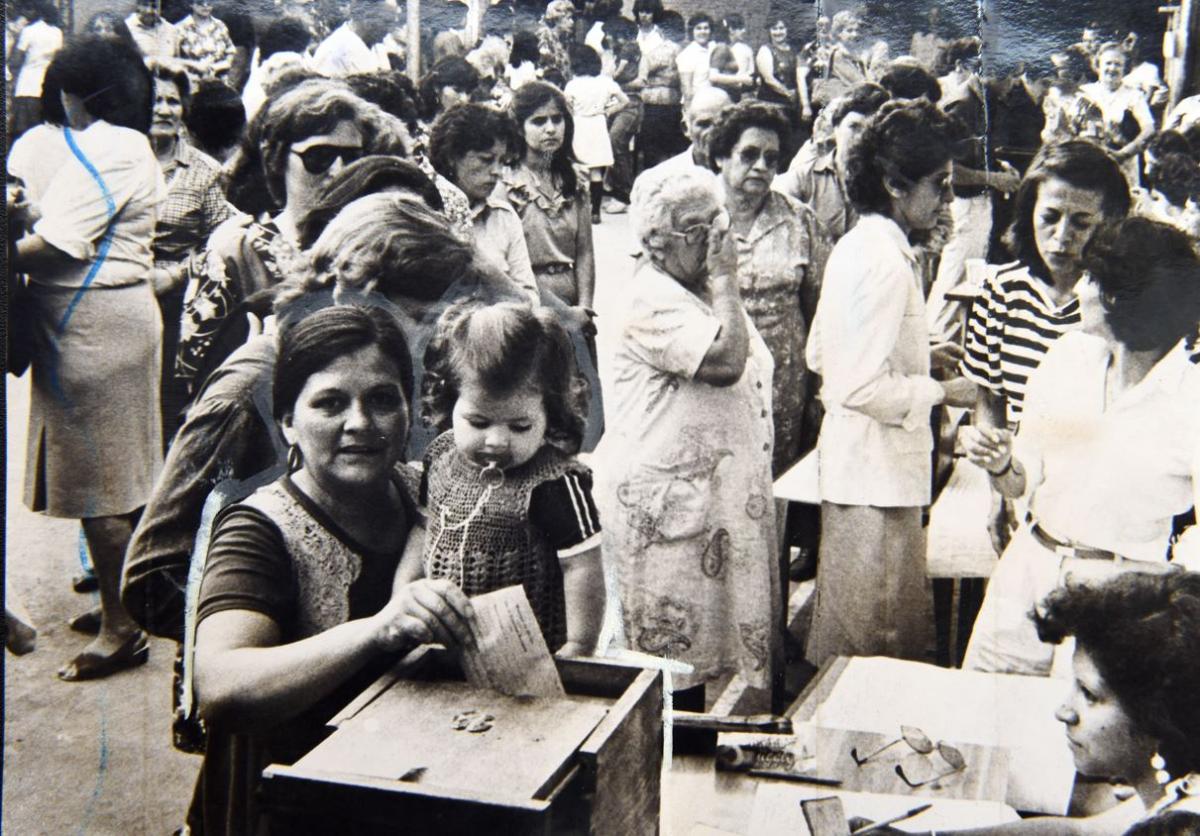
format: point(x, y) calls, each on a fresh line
point(507, 346)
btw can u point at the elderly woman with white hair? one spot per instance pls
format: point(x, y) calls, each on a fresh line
point(686, 489)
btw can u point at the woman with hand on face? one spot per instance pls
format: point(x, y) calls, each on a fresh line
point(552, 199)
point(194, 208)
point(1069, 190)
point(686, 500)
point(1109, 440)
point(773, 237)
point(870, 345)
point(298, 609)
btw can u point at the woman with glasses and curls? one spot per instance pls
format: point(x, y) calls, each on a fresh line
point(870, 345)
point(299, 139)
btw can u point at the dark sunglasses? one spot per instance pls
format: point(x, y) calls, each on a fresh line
point(318, 158)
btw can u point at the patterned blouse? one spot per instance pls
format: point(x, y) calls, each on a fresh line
point(205, 40)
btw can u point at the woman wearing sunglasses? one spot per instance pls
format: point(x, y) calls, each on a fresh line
point(869, 344)
point(295, 143)
point(772, 233)
point(686, 502)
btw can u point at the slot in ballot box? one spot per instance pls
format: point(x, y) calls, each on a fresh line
point(421, 751)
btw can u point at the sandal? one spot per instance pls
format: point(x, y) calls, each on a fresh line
point(87, 623)
point(85, 582)
point(87, 665)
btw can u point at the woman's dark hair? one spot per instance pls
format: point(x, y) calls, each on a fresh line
point(1141, 630)
point(698, 19)
point(908, 140)
point(1149, 281)
point(865, 98)
point(524, 48)
point(1177, 178)
point(468, 127)
point(42, 10)
point(584, 60)
point(1170, 823)
point(311, 344)
point(239, 22)
point(394, 92)
point(52, 106)
point(1078, 163)
point(734, 21)
point(452, 71)
point(655, 7)
point(180, 79)
point(620, 29)
point(1168, 142)
point(910, 81)
point(672, 27)
point(507, 347)
point(364, 176)
point(736, 119)
point(284, 35)
point(111, 79)
point(529, 98)
point(216, 117)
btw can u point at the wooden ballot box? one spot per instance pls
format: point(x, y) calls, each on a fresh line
point(423, 752)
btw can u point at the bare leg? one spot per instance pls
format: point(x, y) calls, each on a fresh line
point(108, 537)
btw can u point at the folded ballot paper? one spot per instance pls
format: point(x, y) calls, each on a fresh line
point(511, 655)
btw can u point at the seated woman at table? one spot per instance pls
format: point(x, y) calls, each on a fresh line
point(1110, 438)
point(1130, 714)
point(298, 608)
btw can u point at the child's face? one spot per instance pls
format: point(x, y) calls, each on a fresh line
point(505, 430)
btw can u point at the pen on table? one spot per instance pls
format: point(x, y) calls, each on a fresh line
point(796, 776)
point(879, 825)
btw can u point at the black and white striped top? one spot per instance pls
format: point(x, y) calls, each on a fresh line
point(1012, 325)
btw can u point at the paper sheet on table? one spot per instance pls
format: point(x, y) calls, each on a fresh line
point(777, 810)
point(512, 656)
point(1016, 712)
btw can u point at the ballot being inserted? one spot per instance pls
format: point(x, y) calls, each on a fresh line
point(510, 655)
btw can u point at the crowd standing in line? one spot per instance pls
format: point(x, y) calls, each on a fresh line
point(208, 208)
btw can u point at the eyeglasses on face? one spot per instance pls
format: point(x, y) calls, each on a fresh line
point(693, 235)
point(750, 156)
point(920, 743)
point(317, 159)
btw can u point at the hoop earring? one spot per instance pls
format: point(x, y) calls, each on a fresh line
point(295, 460)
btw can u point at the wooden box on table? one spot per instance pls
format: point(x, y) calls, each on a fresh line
point(396, 763)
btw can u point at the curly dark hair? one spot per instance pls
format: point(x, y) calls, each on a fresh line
point(735, 120)
point(310, 344)
point(110, 77)
point(1077, 163)
point(468, 127)
point(526, 101)
point(507, 346)
point(910, 81)
point(865, 98)
point(1177, 178)
point(1142, 631)
point(907, 139)
point(1149, 280)
point(452, 71)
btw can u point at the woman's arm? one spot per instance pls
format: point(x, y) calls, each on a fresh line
point(725, 360)
point(585, 254)
point(583, 583)
point(766, 69)
point(802, 70)
point(1145, 119)
point(245, 680)
point(36, 255)
point(412, 563)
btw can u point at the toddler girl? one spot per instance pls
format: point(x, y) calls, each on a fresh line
point(593, 98)
point(507, 502)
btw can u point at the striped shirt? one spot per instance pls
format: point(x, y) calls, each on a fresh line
point(1011, 327)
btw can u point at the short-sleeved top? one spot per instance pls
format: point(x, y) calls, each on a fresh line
point(102, 202)
point(551, 222)
point(195, 205)
point(158, 41)
point(1012, 325)
point(36, 157)
point(1114, 104)
point(39, 41)
point(692, 62)
point(1111, 475)
point(500, 239)
point(344, 53)
point(484, 538)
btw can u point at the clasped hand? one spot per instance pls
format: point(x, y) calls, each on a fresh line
point(988, 447)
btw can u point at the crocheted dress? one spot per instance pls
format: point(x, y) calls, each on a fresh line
point(486, 536)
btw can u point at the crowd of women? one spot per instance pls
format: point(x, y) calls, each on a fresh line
point(314, 355)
